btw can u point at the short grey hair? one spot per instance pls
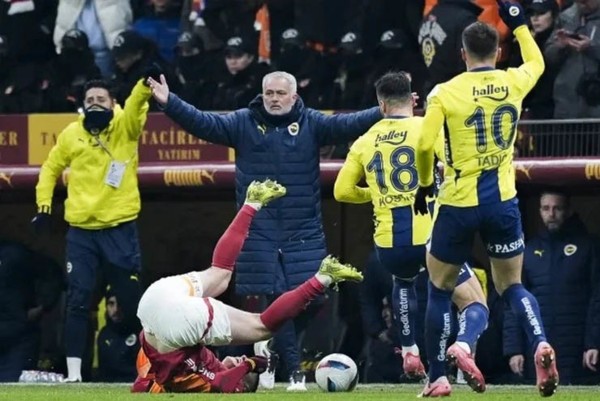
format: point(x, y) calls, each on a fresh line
point(281, 74)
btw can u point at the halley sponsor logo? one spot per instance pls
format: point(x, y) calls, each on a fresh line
point(531, 318)
point(404, 312)
point(492, 92)
point(506, 248)
point(392, 137)
point(444, 338)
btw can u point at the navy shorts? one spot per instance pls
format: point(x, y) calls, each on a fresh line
point(406, 262)
point(402, 261)
point(499, 225)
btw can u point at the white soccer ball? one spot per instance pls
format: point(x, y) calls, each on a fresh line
point(336, 372)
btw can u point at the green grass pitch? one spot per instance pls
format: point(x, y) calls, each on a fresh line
point(118, 392)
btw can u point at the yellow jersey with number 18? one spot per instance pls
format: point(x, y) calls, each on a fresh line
point(385, 157)
point(479, 111)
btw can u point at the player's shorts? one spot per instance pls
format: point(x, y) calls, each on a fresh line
point(403, 262)
point(406, 262)
point(173, 311)
point(499, 225)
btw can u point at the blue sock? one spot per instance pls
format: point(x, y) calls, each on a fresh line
point(404, 305)
point(437, 330)
point(526, 309)
point(472, 322)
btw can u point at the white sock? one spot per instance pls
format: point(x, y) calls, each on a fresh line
point(255, 206)
point(324, 279)
point(464, 346)
point(413, 349)
point(74, 368)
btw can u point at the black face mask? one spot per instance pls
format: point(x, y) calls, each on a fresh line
point(97, 119)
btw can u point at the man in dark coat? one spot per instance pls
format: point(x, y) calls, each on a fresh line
point(561, 268)
point(275, 137)
point(118, 345)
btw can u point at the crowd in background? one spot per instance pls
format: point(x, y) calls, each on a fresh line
point(215, 53)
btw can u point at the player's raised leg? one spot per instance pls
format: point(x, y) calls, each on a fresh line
point(248, 328)
point(216, 278)
point(507, 279)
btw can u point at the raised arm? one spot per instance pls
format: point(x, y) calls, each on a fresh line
point(135, 110)
point(344, 127)
point(222, 129)
point(532, 68)
point(533, 60)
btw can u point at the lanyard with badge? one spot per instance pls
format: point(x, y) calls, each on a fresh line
point(116, 170)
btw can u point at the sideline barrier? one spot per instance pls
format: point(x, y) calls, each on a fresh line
point(573, 172)
point(27, 139)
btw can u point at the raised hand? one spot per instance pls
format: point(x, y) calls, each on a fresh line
point(511, 13)
point(160, 90)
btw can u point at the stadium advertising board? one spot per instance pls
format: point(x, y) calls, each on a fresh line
point(27, 139)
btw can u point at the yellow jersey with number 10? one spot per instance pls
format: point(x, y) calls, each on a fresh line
point(479, 111)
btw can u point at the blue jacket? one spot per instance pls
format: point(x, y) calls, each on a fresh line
point(286, 242)
point(562, 271)
point(162, 31)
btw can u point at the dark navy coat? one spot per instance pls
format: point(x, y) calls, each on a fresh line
point(286, 242)
point(562, 271)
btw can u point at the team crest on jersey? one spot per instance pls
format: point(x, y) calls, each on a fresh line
point(570, 249)
point(131, 340)
point(430, 35)
point(293, 129)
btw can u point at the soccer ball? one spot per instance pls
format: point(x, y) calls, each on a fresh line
point(336, 372)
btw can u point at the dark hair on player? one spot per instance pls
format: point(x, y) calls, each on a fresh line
point(394, 87)
point(98, 83)
point(480, 40)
